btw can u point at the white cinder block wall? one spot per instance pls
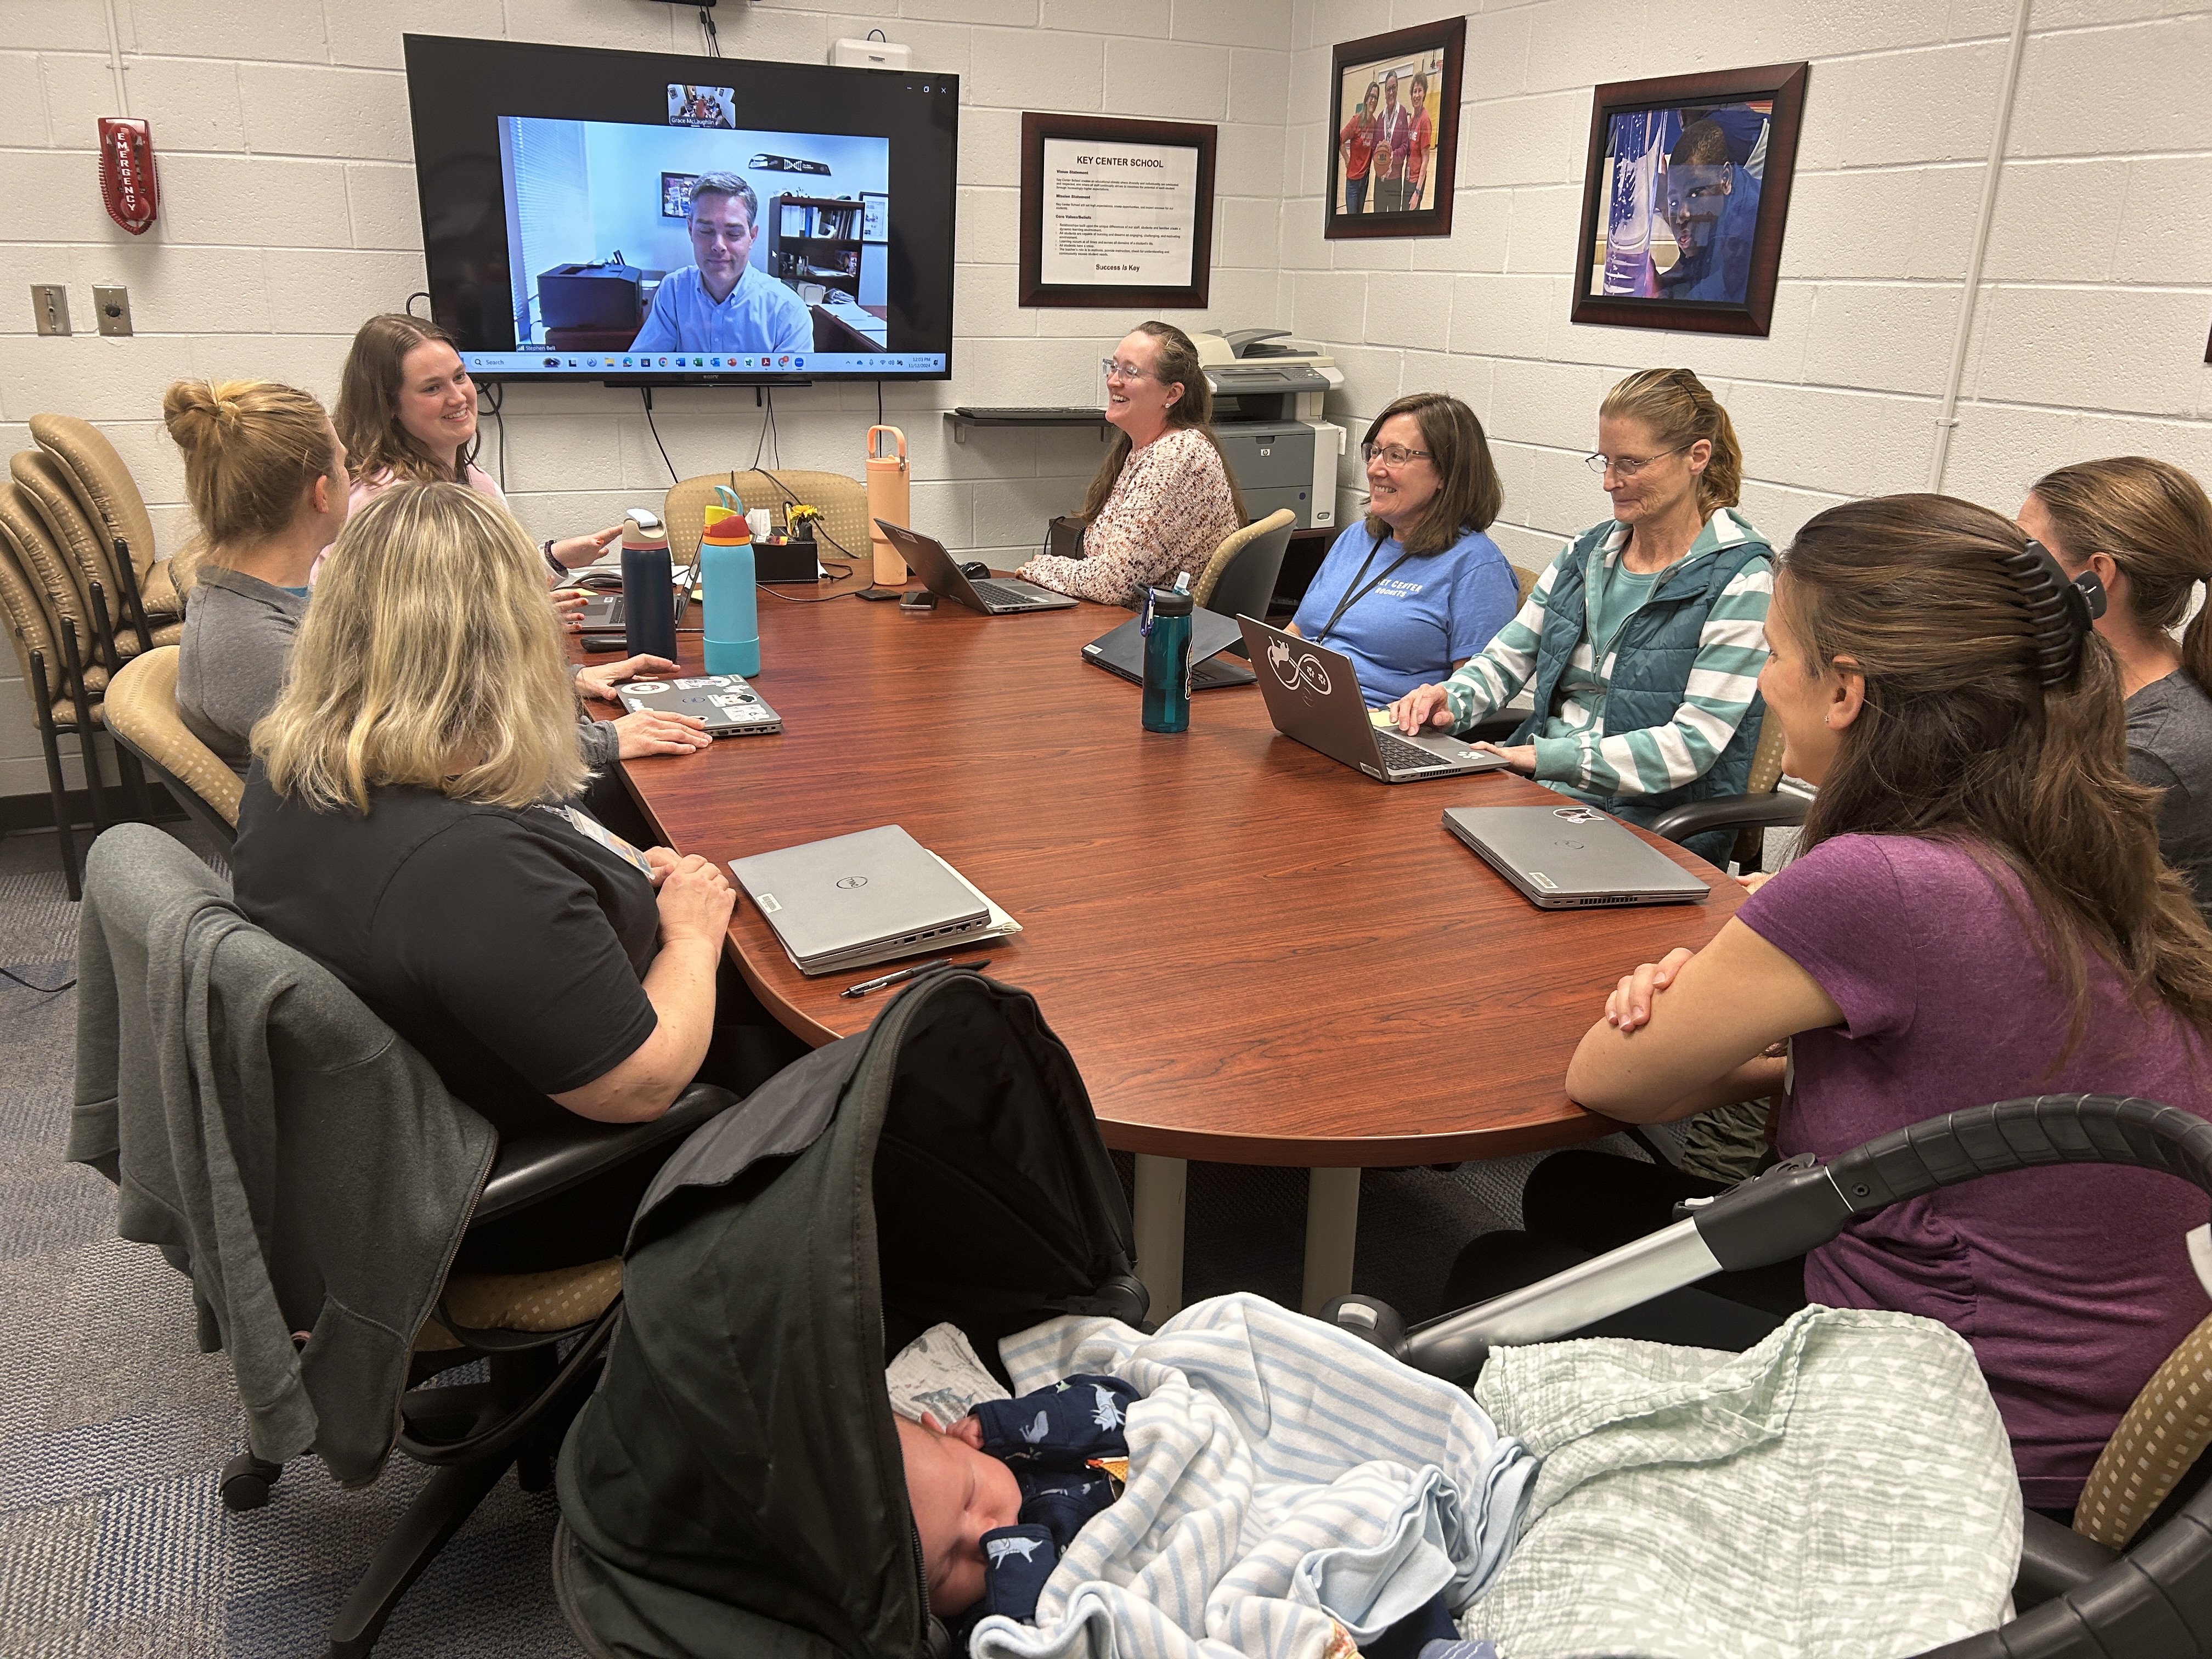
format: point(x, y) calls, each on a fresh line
point(289, 214)
point(2089, 333)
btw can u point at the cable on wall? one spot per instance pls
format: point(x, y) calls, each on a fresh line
point(493, 398)
point(115, 64)
point(1947, 421)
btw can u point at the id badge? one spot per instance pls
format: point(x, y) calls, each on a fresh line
point(591, 829)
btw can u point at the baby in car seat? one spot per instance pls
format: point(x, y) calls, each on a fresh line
point(999, 1494)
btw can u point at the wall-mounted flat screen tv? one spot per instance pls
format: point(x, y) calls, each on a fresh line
point(641, 217)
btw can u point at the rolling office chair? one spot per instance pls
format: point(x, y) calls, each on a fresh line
point(141, 710)
point(1764, 805)
point(843, 528)
point(515, 1323)
point(1239, 580)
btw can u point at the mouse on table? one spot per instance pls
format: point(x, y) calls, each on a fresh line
point(976, 571)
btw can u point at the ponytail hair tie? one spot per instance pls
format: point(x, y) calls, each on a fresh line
point(2060, 609)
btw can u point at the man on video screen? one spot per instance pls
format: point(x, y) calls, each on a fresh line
point(720, 301)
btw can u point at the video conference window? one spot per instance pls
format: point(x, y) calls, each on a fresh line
point(694, 238)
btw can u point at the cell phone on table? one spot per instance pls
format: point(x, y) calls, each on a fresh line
point(880, 593)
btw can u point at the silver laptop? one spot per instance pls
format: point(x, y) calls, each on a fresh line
point(730, 707)
point(1313, 695)
point(860, 898)
point(994, 596)
point(1572, 857)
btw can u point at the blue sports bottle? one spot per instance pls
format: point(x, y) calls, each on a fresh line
point(1166, 628)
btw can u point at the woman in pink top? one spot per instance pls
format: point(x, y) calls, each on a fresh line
point(1163, 501)
point(1420, 144)
point(1356, 143)
point(1977, 912)
point(407, 410)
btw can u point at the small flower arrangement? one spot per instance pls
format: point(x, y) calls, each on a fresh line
point(801, 520)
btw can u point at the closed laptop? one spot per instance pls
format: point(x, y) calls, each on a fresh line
point(1573, 857)
point(858, 898)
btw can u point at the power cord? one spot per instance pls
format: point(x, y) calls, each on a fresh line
point(645, 397)
point(708, 32)
point(56, 990)
point(408, 306)
point(495, 399)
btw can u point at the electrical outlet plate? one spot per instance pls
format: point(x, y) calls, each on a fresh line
point(110, 308)
point(50, 307)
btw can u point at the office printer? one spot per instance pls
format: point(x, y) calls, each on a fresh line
point(603, 295)
point(1267, 393)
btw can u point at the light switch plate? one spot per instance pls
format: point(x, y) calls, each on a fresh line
point(110, 309)
point(50, 306)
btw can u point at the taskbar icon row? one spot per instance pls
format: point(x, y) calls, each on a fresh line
point(782, 363)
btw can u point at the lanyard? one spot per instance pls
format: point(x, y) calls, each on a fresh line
point(1354, 593)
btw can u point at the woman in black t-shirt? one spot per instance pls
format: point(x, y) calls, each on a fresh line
point(401, 824)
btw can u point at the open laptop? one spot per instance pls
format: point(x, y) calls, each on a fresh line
point(1121, 651)
point(730, 707)
point(861, 898)
point(994, 596)
point(1572, 857)
point(1313, 695)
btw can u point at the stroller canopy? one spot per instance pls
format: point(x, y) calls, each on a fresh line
point(735, 1486)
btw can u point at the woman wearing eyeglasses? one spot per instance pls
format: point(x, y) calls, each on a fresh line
point(1417, 589)
point(1163, 501)
point(1644, 638)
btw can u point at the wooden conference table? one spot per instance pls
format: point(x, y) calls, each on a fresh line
point(1255, 954)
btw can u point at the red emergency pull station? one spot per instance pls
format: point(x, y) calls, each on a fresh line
point(127, 183)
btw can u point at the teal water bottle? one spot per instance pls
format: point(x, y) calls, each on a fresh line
point(726, 568)
point(1166, 626)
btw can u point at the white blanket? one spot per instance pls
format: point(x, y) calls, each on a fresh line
point(1287, 1481)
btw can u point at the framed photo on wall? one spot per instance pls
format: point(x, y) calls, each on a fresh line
point(1394, 110)
point(1685, 193)
point(1116, 213)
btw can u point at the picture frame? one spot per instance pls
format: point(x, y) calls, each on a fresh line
point(1686, 193)
point(676, 194)
point(1116, 214)
point(1372, 111)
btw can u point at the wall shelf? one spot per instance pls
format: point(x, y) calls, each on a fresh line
point(962, 418)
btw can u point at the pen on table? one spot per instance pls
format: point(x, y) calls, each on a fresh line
point(904, 974)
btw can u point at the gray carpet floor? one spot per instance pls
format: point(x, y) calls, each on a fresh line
point(113, 1427)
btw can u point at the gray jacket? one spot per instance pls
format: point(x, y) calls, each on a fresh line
point(278, 1141)
point(231, 659)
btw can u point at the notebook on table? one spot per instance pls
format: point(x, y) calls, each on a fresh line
point(994, 596)
point(855, 900)
point(1313, 695)
point(1572, 857)
point(1121, 651)
point(729, 705)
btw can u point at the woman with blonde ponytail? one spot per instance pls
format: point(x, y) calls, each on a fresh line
point(2145, 528)
point(1977, 912)
point(1643, 639)
point(266, 478)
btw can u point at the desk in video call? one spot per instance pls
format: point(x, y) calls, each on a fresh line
point(1256, 956)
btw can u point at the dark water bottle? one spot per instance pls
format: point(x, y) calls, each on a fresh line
point(648, 586)
point(1166, 628)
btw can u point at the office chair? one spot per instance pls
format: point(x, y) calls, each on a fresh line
point(1763, 806)
point(90, 557)
point(111, 529)
point(515, 1323)
point(1239, 580)
point(141, 711)
point(50, 640)
point(111, 499)
point(842, 529)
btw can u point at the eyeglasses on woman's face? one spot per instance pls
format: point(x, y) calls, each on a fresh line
point(1625, 466)
point(1393, 456)
point(1115, 369)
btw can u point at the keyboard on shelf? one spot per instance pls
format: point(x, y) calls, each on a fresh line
point(1398, 754)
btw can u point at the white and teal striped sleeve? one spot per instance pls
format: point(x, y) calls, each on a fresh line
point(1488, 681)
point(1723, 679)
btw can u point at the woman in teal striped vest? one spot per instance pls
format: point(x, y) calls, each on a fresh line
point(1644, 637)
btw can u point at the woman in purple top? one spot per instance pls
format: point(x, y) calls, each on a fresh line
point(1977, 912)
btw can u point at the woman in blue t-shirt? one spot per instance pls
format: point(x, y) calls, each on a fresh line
point(1418, 588)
